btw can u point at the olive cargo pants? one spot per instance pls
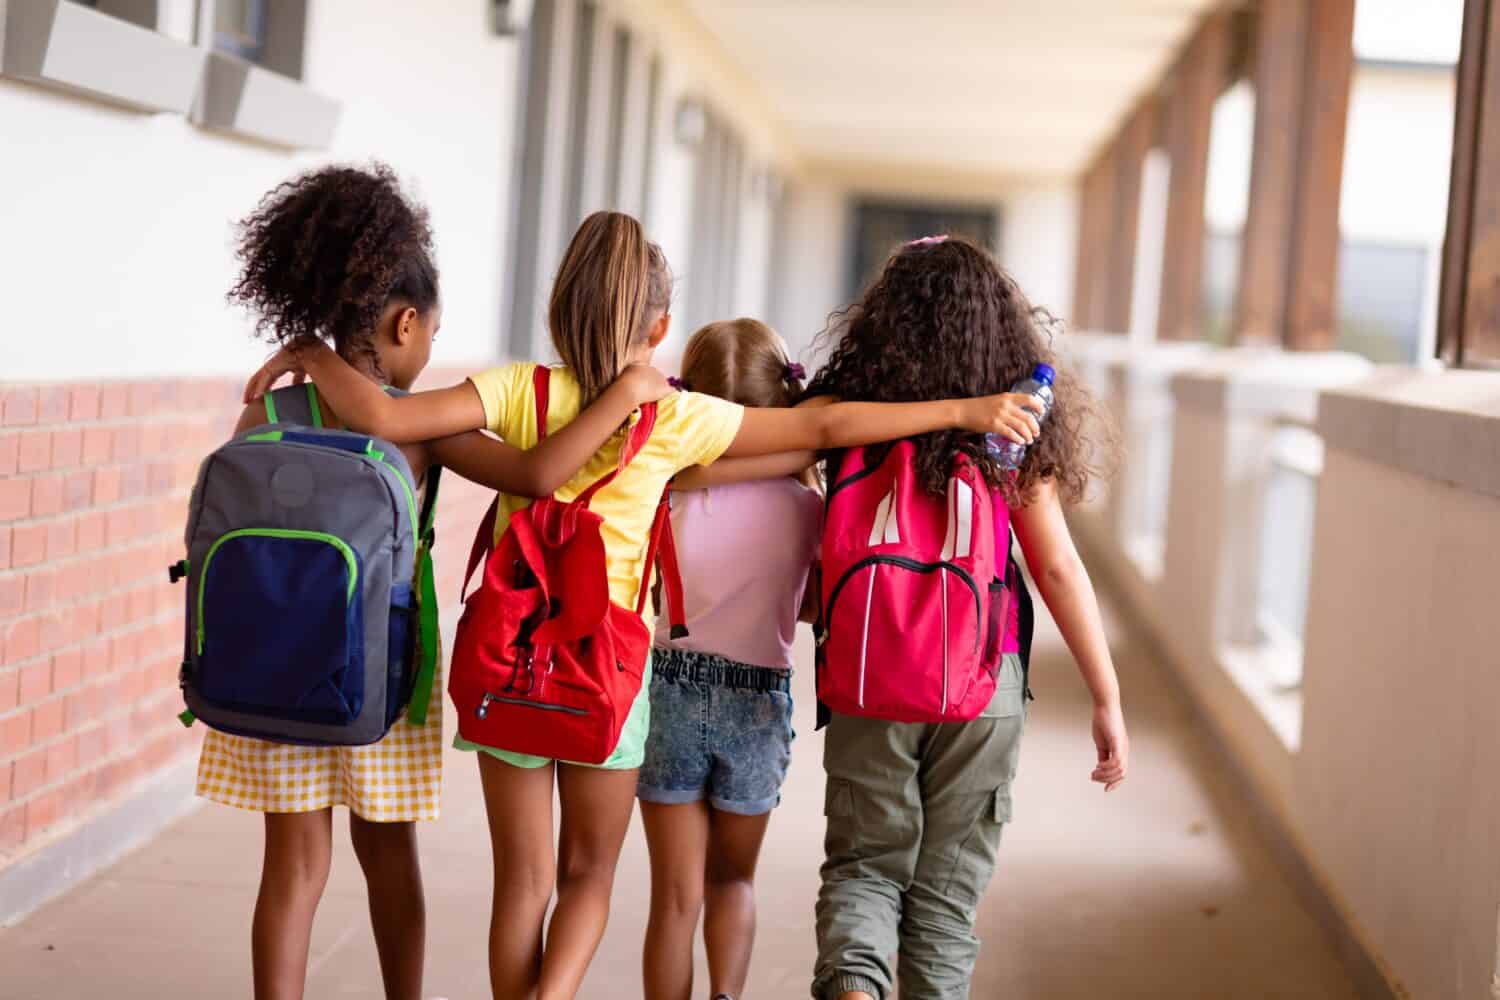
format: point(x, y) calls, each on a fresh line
point(914, 816)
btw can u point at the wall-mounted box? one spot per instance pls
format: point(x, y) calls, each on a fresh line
point(67, 46)
point(244, 99)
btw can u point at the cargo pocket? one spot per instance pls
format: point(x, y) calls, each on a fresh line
point(838, 809)
point(975, 863)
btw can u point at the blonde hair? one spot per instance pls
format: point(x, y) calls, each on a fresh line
point(746, 362)
point(611, 287)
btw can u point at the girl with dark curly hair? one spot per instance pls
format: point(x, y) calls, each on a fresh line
point(342, 255)
point(915, 810)
point(610, 307)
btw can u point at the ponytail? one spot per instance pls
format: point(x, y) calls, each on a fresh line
point(611, 287)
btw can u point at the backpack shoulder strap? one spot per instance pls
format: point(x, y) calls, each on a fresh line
point(541, 387)
point(639, 434)
point(294, 404)
point(661, 554)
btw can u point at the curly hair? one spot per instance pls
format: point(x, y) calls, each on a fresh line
point(323, 255)
point(944, 321)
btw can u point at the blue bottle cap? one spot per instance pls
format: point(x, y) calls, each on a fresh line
point(1044, 374)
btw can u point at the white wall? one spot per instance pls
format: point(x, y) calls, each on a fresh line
point(1038, 243)
point(1397, 155)
point(815, 265)
point(118, 243)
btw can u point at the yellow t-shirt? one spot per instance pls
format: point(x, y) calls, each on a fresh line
point(691, 429)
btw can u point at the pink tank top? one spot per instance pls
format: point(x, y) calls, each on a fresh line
point(745, 550)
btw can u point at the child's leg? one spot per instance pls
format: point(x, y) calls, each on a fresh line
point(729, 918)
point(518, 801)
point(596, 808)
point(677, 836)
point(874, 831)
point(398, 912)
point(299, 847)
point(966, 775)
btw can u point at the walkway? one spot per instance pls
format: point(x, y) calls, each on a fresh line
point(1158, 890)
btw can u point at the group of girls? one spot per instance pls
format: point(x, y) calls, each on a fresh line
point(337, 267)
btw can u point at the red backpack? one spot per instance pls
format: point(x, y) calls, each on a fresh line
point(916, 593)
point(544, 662)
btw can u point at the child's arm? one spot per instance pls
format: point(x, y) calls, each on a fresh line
point(765, 431)
point(491, 462)
point(436, 413)
point(1065, 587)
point(444, 413)
point(1015, 422)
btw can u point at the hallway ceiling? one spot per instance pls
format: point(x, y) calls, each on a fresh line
point(1016, 88)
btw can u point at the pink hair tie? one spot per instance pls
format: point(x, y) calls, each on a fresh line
point(927, 241)
point(677, 383)
point(793, 372)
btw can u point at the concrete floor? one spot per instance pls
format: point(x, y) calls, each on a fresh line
point(1159, 889)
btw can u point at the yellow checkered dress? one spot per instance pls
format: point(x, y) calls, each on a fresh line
point(396, 780)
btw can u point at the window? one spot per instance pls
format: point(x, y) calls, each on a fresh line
point(251, 86)
point(240, 28)
point(271, 34)
point(139, 12)
point(1397, 153)
point(882, 226)
point(1226, 204)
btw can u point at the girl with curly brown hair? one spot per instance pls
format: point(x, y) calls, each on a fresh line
point(610, 307)
point(342, 255)
point(915, 810)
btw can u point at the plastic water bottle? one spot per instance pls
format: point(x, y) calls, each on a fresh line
point(1037, 384)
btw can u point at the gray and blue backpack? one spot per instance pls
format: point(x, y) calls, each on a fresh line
point(303, 545)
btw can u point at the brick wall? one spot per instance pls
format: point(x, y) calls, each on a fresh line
point(94, 481)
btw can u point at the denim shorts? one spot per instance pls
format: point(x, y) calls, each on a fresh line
point(720, 730)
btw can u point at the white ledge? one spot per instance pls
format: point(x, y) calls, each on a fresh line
point(1267, 382)
point(246, 100)
point(1443, 425)
point(70, 47)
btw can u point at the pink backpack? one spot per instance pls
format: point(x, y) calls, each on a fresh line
point(916, 593)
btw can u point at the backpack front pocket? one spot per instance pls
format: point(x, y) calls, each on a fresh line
point(280, 626)
point(885, 602)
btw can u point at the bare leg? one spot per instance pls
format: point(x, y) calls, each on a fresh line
point(596, 808)
point(677, 836)
point(299, 849)
point(398, 912)
point(729, 916)
point(518, 801)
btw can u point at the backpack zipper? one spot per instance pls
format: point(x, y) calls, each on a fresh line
point(484, 705)
point(288, 533)
point(916, 566)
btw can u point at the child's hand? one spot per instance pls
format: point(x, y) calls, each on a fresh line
point(1113, 746)
point(646, 383)
point(287, 360)
point(1013, 415)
